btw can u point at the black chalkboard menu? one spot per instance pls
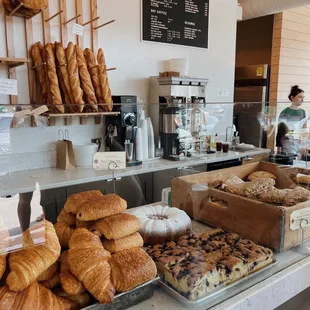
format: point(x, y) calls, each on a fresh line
point(182, 22)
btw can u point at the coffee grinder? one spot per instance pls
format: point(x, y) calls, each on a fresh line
point(169, 96)
point(121, 129)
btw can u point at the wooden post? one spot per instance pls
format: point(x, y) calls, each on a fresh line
point(63, 19)
point(78, 11)
point(10, 49)
point(94, 33)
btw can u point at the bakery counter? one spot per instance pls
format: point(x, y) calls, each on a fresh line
point(266, 290)
point(49, 178)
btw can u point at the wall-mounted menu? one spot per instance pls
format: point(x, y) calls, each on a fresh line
point(182, 22)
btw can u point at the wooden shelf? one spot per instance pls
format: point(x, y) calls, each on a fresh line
point(13, 62)
point(83, 114)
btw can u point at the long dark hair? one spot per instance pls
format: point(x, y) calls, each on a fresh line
point(295, 90)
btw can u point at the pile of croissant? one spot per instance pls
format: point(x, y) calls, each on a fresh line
point(260, 185)
point(93, 252)
point(73, 77)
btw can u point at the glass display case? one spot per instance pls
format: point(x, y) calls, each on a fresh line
point(229, 214)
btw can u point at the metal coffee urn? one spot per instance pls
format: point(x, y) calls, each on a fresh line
point(169, 97)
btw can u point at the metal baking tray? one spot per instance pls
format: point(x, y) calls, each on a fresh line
point(212, 295)
point(128, 299)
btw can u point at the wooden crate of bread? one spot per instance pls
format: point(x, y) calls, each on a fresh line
point(265, 223)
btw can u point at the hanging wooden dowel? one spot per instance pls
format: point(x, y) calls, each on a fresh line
point(16, 9)
point(111, 69)
point(91, 21)
point(55, 15)
point(105, 24)
point(42, 64)
point(72, 19)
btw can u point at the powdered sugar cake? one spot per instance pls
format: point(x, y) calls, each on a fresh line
point(160, 224)
point(199, 263)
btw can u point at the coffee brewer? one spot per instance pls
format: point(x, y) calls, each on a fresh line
point(120, 130)
point(169, 98)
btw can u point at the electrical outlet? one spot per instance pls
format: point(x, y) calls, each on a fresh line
point(224, 93)
point(98, 141)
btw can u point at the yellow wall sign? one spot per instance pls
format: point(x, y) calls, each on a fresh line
point(259, 71)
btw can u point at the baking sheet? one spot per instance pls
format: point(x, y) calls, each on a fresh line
point(208, 297)
point(129, 299)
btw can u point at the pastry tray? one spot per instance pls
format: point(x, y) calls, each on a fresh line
point(208, 298)
point(128, 299)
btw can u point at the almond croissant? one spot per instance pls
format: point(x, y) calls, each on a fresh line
point(28, 264)
point(69, 282)
point(88, 261)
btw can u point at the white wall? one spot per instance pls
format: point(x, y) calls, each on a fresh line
point(135, 60)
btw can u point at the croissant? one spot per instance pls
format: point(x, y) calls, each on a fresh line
point(116, 226)
point(2, 265)
point(64, 233)
point(133, 241)
point(82, 300)
point(35, 297)
point(67, 304)
point(131, 268)
point(52, 282)
point(48, 273)
point(69, 282)
point(66, 217)
point(88, 261)
point(74, 201)
point(99, 207)
point(26, 265)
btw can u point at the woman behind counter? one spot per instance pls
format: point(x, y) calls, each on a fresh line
point(291, 115)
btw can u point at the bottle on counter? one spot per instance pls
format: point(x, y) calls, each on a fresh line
point(213, 141)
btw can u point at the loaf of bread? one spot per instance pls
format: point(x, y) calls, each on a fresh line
point(258, 186)
point(261, 175)
point(10, 6)
point(104, 81)
point(88, 261)
point(73, 71)
point(131, 268)
point(36, 53)
point(34, 297)
point(94, 74)
point(28, 264)
point(34, 4)
point(66, 217)
point(302, 179)
point(48, 273)
point(70, 284)
point(75, 201)
point(297, 195)
point(64, 79)
point(116, 226)
point(274, 196)
point(87, 86)
point(64, 233)
point(54, 94)
point(133, 241)
point(100, 207)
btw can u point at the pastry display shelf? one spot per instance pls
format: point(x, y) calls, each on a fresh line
point(12, 62)
point(84, 114)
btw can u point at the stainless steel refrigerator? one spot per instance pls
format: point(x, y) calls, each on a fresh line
point(251, 99)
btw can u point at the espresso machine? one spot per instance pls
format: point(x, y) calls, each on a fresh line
point(170, 97)
point(120, 130)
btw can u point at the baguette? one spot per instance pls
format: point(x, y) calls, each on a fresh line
point(75, 201)
point(131, 268)
point(104, 81)
point(133, 241)
point(52, 79)
point(100, 207)
point(116, 226)
point(86, 83)
point(94, 74)
point(73, 71)
point(36, 53)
